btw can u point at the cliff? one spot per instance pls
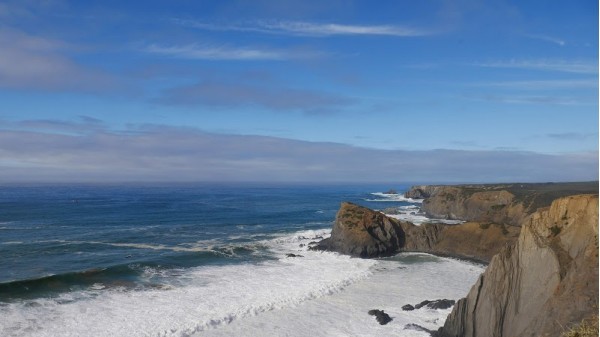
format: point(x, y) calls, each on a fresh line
point(542, 283)
point(496, 203)
point(362, 232)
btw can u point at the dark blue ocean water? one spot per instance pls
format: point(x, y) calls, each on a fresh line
point(60, 238)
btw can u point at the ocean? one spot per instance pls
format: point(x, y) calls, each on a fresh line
point(207, 260)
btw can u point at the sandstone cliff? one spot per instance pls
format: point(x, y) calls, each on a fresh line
point(497, 203)
point(538, 286)
point(362, 232)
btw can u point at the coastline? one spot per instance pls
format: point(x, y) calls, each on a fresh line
point(553, 245)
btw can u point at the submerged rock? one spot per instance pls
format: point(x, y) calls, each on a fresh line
point(417, 327)
point(381, 316)
point(436, 304)
point(293, 255)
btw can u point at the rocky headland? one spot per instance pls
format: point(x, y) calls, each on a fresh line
point(541, 242)
point(506, 204)
point(362, 232)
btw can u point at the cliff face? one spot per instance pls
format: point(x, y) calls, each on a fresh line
point(487, 206)
point(362, 232)
point(501, 203)
point(422, 191)
point(543, 282)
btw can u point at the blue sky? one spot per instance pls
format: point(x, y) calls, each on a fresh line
point(453, 91)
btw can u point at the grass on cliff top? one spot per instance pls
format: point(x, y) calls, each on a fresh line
point(535, 195)
point(587, 328)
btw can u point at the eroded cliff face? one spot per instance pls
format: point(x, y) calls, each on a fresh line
point(495, 203)
point(538, 286)
point(362, 232)
point(484, 206)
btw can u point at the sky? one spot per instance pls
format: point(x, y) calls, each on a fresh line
point(298, 91)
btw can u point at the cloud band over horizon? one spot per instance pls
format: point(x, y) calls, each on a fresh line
point(169, 154)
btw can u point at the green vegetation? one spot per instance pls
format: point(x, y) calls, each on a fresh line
point(587, 328)
point(484, 225)
point(555, 230)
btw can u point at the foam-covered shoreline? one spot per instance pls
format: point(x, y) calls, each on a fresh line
point(214, 300)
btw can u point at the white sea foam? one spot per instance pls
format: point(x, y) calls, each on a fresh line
point(393, 197)
point(318, 294)
point(419, 218)
point(207, 298)
point(412, 213)
point(393, 284)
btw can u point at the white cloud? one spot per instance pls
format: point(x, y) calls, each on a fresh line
point(206, 52)
point(303, 28)
point(212, 52)
point(547, 38)
point(328, 29)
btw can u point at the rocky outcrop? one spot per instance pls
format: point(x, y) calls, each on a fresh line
point(542, 283)
point(497, 203)
point(422, 191)
point(362, 232)
point(381, 317)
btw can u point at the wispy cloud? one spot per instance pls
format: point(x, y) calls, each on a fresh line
point(160, 153)
point(314, 29)
point(570, 66)
point(544, 84)
point(328, 29)
point(523, 99)
point(230, 94)
point(572, 136)
point(206, 52)
point(222, 52)
point(547, 38)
